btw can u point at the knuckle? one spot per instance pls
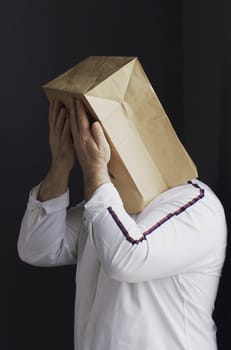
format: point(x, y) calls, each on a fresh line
point(83, 138)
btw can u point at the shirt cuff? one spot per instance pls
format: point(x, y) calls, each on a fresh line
point(51, 205)
point(104, 196)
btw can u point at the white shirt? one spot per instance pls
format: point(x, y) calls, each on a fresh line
point(145, 281)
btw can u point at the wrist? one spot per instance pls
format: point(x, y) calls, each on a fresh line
point(96, 172)
point(93, 178)
point(59, 171)
point(54, 184)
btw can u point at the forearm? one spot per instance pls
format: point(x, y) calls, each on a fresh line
point(93, 178)
point(44, 229)
point(54, 184)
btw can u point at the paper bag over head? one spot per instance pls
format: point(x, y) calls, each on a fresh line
point(147, 158)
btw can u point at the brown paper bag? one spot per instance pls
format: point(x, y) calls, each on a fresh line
point(147, 157)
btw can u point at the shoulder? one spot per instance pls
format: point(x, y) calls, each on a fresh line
point(191, 194)
point(191, 205)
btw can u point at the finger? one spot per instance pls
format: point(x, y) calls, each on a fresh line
point(60, 122)
point(73, 119)
point(98, 135)
point(66, 134)
point(50, 118)
point(55, 112)
point(82, 119)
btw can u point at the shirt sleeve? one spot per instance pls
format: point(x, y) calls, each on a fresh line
point(175, 234)
point(49, 232)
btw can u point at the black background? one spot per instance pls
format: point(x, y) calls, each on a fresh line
point(184, 48)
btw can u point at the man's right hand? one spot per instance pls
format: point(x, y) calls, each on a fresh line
point(60, 139)
point(62, 152)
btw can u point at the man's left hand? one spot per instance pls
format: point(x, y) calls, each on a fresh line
point(91, 146)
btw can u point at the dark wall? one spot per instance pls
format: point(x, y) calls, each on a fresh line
point(203, 50)
point(223, 183)
point(43, 39)
point(207, 111)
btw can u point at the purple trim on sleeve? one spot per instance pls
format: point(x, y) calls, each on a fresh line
point(160, 222)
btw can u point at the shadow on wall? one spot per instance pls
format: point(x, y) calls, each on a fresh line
point(224, 192)
point(224, 186)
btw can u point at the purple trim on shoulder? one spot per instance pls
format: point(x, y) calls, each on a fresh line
point(160, 222)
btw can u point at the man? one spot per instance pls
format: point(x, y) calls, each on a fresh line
point(143, 281)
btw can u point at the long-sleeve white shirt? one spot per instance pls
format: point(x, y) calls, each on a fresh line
point(143, 281)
